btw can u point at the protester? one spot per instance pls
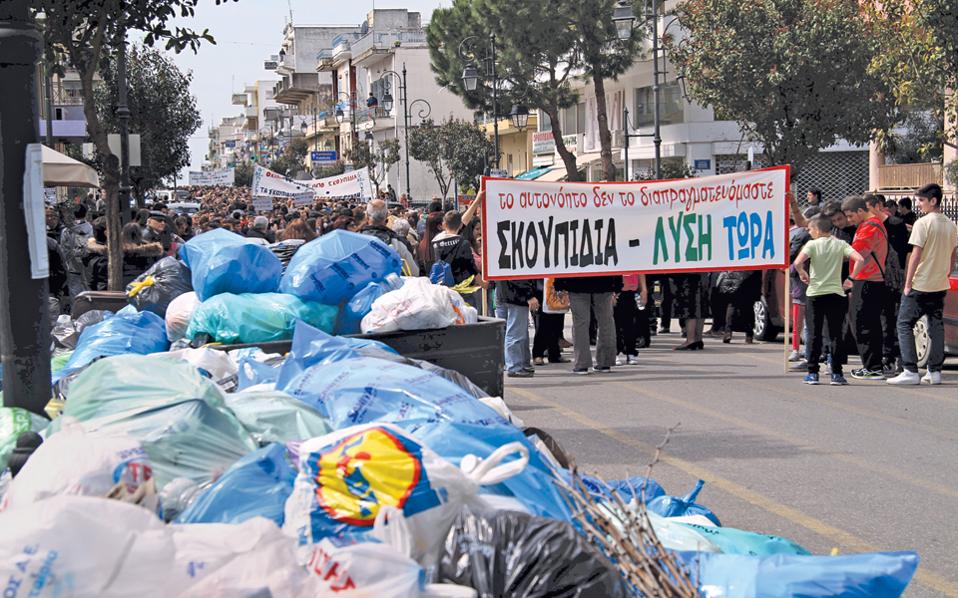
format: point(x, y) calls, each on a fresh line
point(869, 295)
point(934, 239)
point(827, 303)
point(432, 227)
point(894, 265)
point(260, 230)
point(514, 300)
point(298, 229)
point(626, 315)
point(549, 326)
point(157, 230)
point(813, 197)
point(138, 255)
point(73, 242)
point(453, 249)
point(740, 289)
point(905, 212)
point(798, 236)
point(376, 216)
point(689, 295)
point(588, 294)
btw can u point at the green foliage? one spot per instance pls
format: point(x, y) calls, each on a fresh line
point(292, 160)
point(454, 150)
point(162, 111)
point(795, 74)
point(378, 158)
point(951, 173)
point(671, 169)
point(327, 170)
point(243, 174)
point(918, 139)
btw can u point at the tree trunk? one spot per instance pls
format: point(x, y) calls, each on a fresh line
point(605, 136)
point(111, 178)
point(572, 171)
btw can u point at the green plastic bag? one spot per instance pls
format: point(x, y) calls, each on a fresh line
point(274, 416)
point(13, 422)
point(257, 318)
point(178, 416)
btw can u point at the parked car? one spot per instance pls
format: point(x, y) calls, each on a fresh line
point(950, 317)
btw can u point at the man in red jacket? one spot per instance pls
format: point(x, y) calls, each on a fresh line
point(869, 293)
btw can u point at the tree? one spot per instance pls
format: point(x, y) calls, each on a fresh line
point(163, 112)
point(292, 160)
point(453, 150)
point(604, 56)
point(919, 58)
point(795, 74)
point(86, 34)
point(537, 56)
point(243, 174)
point(377, 160)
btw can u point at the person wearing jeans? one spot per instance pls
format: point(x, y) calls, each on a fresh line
point(592, 294)
point(934, 239)
point(514, 299)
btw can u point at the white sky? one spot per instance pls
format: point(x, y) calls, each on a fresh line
point(249, 31)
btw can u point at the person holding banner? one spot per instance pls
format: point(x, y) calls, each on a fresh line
point(514, 300)
point(587, 294)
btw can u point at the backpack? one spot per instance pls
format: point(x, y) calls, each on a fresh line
point(441, 274)
point(892, 273)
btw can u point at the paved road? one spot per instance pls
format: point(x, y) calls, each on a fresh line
point(860, 468)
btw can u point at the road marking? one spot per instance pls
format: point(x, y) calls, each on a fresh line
point(793, 440)
point(836, 535)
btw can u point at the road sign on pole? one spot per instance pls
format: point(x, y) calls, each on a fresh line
point(324, 156)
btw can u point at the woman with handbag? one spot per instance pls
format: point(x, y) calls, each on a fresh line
point(550, 321)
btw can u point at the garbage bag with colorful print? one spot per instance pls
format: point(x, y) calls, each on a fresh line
point(347, 477)
point(224, 262)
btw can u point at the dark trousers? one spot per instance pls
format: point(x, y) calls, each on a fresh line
point(626, 314)
point(548, 333)
point(913, 306)
point(889, 322)
point(819, 311)
point(666, 309)
point(869, 300)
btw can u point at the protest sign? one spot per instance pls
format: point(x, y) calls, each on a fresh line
point(226, 177)
point(733, 221)
point(267, 183)
point(263, 204)
point(348, 184)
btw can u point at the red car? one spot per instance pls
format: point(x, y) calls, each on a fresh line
point(770, 318)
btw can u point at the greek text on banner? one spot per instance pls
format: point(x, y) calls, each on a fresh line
point(735, 221)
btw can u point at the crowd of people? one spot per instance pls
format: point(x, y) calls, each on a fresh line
point(875, 267)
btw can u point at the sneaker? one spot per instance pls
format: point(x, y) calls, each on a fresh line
point(529, 369)
point(632, 360)
point(866, 374)
point(795, 356)
point(905, 378)
point(890, 370)
point(931, 377)
point(620, 359)
point(838, 380)
point(584, 372)
point(521, 374)
point(811, 378)
point(799, 366)
point(603, 370)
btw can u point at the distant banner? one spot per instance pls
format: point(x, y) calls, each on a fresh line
point(267, 183)
point(733, 221)
point(206, 178)
point(263, 204)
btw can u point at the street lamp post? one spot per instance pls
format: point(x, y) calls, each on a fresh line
point(424, 113)
point(470, 80)
point(123, 120)
point(341, 116)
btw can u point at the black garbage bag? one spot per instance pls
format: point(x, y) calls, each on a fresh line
point(170, 279)
point(514, 555)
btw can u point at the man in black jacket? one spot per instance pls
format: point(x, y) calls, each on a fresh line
point(514, 299)
point(586, 294)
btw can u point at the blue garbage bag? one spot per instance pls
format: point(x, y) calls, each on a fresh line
point(253, 372)
point(736, 541)
point(224, 262)
point(126, 332)
point(274, 416)
point(671, 506)
point(362, 303)
point(257, 318)
point(634, 488)
point(255, 486)
point(314, 347)
point(885, 574)
point(337, 265)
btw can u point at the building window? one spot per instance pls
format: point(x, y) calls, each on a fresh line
point(545, 123)
point(58, 114)
point(579, 119)
point(671, 105)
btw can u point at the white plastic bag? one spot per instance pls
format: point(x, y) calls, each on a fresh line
point(218, 364)
point(76, 462)
point(417, 305)
point(349, 568)
point(346, 478)
point(178, 315)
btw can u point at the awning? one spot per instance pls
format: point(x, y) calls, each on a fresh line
point(554, 176)
point(531, 175)
point(584, 159)
point(60, 170)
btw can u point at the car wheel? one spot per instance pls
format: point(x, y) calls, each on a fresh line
point(922, 342)
point(764, 329)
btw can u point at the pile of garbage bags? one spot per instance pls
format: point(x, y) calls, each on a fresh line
point(341, 468)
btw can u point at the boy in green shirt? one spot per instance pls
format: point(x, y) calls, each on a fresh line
point(827, 302)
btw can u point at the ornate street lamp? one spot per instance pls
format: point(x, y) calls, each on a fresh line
point(520, 116)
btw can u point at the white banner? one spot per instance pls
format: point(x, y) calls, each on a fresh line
point(267, 183)
point(213, 177)
point(733, 221)
point(263, 204)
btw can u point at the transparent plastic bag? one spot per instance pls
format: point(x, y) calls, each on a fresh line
point(264, 317)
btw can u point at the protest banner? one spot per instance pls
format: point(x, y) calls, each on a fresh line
point(263, 204)
point(733, 221)
point(267, 183)
point(226, 177)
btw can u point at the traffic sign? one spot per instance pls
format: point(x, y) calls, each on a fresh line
point(498, 173)
point(324, 156)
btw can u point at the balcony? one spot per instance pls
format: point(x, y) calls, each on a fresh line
point(324, 61)
point(239, 99)
point(383, 42)
point(908, 177)
point(342, 47)
point(251, 112)
point(296, 88)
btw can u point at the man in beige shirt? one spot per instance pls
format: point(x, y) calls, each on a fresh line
point(934, 238)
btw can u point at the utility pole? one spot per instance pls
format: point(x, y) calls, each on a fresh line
point(657, 130)
point(24, 317)
point(123, 118)
point(495, 95)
